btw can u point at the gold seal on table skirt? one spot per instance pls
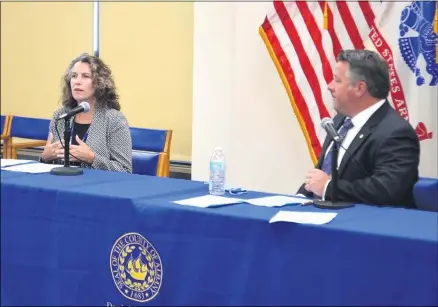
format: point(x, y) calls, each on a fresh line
point(136, 267)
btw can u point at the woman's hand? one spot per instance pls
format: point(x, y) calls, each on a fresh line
point(81, 152)
point(52, 151)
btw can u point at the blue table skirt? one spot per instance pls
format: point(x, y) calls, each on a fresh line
point(58, 233)
point(366, 255)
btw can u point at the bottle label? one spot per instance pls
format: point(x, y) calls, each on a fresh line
point(217, 166)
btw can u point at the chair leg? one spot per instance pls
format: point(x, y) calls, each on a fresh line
point(6, 150)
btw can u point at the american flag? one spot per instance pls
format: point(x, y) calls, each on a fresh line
point(304, 39)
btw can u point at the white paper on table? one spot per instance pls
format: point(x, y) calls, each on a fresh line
point(206, 201)
point(34, 168)
point(277, 201)
point(316, 218)
point(10, 162)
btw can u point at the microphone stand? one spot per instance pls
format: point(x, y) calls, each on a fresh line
point(66, 170)
point(334, 180)
point(334, 204)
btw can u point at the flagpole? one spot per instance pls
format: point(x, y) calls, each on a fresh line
point(96, 28)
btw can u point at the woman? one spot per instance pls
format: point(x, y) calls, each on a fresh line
point(100, 138)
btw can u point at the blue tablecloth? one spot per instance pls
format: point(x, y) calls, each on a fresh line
point(60, 247)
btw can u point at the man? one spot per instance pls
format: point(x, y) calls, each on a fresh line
point(385, 147)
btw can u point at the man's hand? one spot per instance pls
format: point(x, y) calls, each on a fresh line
point(316, 181)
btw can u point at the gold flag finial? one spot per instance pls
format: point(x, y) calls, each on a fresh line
point(326, 15)
point(436, 31)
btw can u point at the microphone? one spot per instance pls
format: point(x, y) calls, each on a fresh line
point(66, 170)
point(329, 127)
point(82, 107)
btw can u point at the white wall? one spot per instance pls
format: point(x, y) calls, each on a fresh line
point(240, 104)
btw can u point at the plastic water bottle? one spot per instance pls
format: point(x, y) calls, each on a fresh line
point(217, 172)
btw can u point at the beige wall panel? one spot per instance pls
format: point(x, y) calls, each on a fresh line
point(38, 40)
point(149, 47)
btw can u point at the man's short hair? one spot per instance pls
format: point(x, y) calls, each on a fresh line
point(370, 67)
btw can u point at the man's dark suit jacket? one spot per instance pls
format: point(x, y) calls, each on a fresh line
point(389, 150)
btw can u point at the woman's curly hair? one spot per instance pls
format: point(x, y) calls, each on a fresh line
point(104, 87)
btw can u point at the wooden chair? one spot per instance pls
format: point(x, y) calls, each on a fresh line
point(35, 129)
point(426, 194)
point(5, 126)
point(151, 151)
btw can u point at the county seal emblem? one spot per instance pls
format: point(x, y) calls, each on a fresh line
point(136, 267)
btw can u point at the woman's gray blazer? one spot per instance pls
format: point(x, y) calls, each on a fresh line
point(108, 137)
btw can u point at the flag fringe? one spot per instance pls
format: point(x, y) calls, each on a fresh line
point(326, 15)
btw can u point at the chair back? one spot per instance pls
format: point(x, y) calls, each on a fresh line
point(145, 163)
point(426, 194)
point(151, 151)
point(30, 128)
point(154, 140)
